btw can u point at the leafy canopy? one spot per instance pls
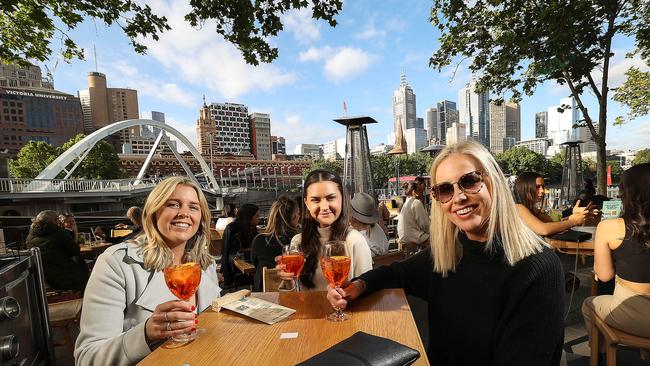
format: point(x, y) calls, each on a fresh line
point(635, 93)
point(519, 159)
point(642, 156)
point(32, 159)
point(28, 28)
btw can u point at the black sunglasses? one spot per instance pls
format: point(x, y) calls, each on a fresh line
point(471, 183)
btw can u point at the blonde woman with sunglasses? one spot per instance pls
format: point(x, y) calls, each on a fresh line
point(492, 285)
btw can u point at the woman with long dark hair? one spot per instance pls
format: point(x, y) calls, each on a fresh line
point(238, 238)
point(622, 251)
point(325, 219)
point(282, 225)
point(529, 194)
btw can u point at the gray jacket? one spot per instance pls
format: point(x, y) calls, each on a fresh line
point(121, 295)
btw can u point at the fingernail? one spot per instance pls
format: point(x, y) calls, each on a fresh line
point(196, 316)
point(193, 329)
point(193, 307)
point(196, 321)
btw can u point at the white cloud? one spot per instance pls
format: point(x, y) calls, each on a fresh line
point(315, 53)
point(202, 57)
point(305, 29)
point(188, 130)
point(347, 63)
point(370, 32)
point(619, 67)
point(633, 135)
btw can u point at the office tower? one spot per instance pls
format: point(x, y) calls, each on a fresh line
point(20, 77)
point(37, 114)
point(404, 106)
point(314, 150)
point(333, 150)
point(261, 135)
point(419, 123)
point(456, 133)
point(497, 127)
point(278, 145)
point(416, 139)
point(431, 122)
point(541, 123)
point(233, 134)
point(513, 121)
point(447, 115)
point(560, 127)
point(538, 145)
point(103, 106)
point(474, 113)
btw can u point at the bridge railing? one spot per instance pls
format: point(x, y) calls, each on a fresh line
point(25, 185)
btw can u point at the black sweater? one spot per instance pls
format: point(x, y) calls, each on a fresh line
point(263, 252)
point(487, 312)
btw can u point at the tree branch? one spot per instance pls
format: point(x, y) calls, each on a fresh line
point(594, 88)
point(583, 109)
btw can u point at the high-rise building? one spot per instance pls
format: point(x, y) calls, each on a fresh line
point(37, 114)
point(416, 139)
point(313, 150)
point(404, 106)
point(431, 122)
point(541, 123)
point(456, 133)
point(419, 123)
point(537, 145)
point(20, 77)
point(505, 126)
point(261, 135)
point(447, 115)
point(561, 121)
point(474, 112)
point(333, 150)
point(103, 106)
point(278, 145)
point(233, 131)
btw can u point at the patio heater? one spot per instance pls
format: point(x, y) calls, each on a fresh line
point(357, 172)
point(571, 173)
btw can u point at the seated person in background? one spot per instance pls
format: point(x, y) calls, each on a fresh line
point(622, 251)
point(413, 223)
point(238, 238)
point(529, 193)
point(493, 287)
point(281, 226)
point(134, 213)
point(228, 214)
point(98, 233)
point(326, 220)
point(62, 265)
point(68, 222)
point(364, 218)
point(384, 216)
point(128, 309)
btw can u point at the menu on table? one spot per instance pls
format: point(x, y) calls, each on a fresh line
point(241, 302)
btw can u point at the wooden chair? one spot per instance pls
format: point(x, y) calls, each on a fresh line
point(64, 310)
point(387, 259)
point(270, 280)
point(216, 244)
point(601, 332)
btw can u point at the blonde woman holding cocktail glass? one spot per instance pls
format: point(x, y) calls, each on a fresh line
point(128, 309)
point(493, 287)
point(326, 220)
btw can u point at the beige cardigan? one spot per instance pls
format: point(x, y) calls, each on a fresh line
point(357, 247)
point(120, 296)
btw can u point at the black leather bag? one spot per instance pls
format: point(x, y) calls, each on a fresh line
point(363, 349)
point(572, 235)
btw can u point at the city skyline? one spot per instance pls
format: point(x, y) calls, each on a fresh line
point(318, 69)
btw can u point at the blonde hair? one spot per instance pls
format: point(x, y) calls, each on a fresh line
point(518, 240)
point(154, 250)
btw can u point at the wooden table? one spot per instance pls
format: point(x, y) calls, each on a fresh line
point(233, 339)
point(94, 248)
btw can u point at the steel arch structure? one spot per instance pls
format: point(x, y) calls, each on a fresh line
point(83, 147)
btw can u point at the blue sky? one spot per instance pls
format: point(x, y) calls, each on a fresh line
point(359, 61)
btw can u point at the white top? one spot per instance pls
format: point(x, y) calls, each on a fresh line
point(357, 247)
point(222, 222)
point(120, 296)
point(377, 240)
point(413, 223)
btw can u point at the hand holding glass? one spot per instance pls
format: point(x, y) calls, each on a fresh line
point(183, 281)
point(293, 259)
point(335, 263)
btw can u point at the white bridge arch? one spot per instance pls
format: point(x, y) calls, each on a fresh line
point(83, 147)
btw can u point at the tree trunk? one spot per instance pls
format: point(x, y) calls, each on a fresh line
point(601, 152)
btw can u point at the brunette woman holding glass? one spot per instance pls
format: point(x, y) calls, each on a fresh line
point(282, 225)
point(127, 308)
point(326, 219)
point(494, 289)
